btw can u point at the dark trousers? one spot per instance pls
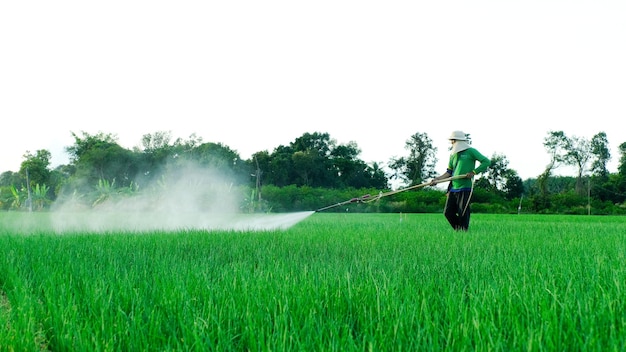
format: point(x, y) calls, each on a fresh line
point(457, 210)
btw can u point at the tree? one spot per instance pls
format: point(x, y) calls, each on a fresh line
point(156, 142)
point(262, 163)
point(157, 153)
point(219, 157)
point(349, 169)
point(600, 150)
point(620, 181)
point(419, 164)
point(556, 143)
point(59, 177)
point(377, 176)
point(344, 167)
point(99, 157)
point(317, 143)
point(9, 178)
point(304, 165)
point(36, 170)
point(599, 181)
point(279, 167)
point(37, 165)
point(621, 168)
point(86, 143)
point(501, 179)
point(495, 174)
point(578, 154)
point(514, 186)
point(311, 159)
point(316, 160)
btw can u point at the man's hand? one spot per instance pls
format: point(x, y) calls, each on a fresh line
point(470, 174)
point(433, 182)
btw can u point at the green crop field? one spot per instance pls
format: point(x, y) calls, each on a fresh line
point(333, 282)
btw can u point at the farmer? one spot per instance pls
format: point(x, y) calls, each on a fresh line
point(463, 160)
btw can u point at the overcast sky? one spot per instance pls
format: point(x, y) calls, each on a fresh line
point(254, 75)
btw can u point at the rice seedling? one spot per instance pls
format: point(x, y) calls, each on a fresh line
point(333, 282)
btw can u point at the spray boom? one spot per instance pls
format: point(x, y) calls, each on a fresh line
point(360, 199)
point(367, 198)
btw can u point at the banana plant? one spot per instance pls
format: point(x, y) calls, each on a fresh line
point(40, 196)
point(104, 191)
point(17, 198)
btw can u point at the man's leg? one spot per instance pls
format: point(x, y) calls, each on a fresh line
point(451, 210)
point(464, 210)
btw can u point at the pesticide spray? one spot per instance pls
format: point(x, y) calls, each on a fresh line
point(190, 198)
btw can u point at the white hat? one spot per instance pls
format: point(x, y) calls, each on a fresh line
point(458, 136)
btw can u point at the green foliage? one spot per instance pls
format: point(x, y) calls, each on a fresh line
point(599, 145)
point(417, 201)
point(13, 198)
point(419, 165)
point(17, 197)
point(316, 160)
point(216, 156)
point(10, 178)
point(40, 197)
point(293, 198)
point(621, 167)
point(101, 157)
point(310, 173)
point(36, 167)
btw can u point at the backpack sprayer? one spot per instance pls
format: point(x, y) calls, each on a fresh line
point(368, 198)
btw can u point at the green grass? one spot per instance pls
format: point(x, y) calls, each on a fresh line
point(334, 282)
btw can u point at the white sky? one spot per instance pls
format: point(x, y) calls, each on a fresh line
point(254, 75)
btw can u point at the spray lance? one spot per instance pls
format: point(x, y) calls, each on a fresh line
point(360, 199)
point(368, 198)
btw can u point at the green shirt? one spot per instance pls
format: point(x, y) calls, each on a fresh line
point(463, 162)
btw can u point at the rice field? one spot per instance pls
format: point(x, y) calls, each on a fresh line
point(332, 282)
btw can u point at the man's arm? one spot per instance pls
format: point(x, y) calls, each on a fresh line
point(445, 175)
point(483, 160)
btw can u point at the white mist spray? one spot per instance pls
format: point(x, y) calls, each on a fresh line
point(189, 198)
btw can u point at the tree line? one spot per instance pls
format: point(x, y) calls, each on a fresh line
point(314, 170)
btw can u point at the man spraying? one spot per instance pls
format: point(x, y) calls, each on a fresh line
point(463, 160)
